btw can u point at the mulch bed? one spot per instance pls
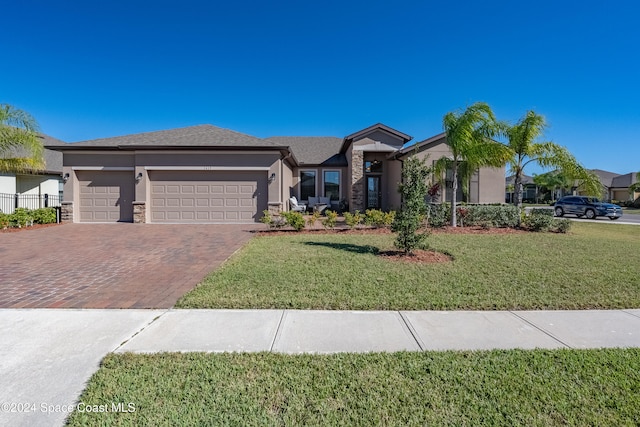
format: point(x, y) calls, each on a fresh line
point(362, 231)
point(418, 257)
point(33, 227)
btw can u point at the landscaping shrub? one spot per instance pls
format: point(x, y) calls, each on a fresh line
point(330, 219)
point(44, 216)
point(4, 220)
point(294, 219)
point(353, 220)
point(438, 214)
point(539, 220)
point(501, 216)
point(379, 219)
point(561, 225)
point(21, 217)
point(313, 218)
point(272, 221)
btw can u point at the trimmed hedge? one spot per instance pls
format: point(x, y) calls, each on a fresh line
point(500, 216)
point(23, 217)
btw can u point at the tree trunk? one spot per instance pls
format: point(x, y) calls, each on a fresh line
point(454, 193)
point(518, 201)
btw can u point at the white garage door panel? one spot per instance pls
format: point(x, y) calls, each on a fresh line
point(106, 196)
point(207, 196)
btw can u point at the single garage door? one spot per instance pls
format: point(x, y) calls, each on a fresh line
point(207, 196)
point(106, 196)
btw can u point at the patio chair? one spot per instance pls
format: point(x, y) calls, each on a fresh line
point(295, 206)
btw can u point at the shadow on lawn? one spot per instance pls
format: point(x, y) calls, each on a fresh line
point(359, 249)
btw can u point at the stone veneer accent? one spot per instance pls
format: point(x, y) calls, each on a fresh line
point(66, 212)
point(274, 208)
point(139, 212)
point(357, 181)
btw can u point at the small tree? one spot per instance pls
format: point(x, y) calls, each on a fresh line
point(410, 219)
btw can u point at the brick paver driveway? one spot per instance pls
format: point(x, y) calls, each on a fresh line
point(111, 265)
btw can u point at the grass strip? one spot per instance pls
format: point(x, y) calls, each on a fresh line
point(517, 387)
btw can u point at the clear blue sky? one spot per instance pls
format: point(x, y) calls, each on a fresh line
point(92, 69)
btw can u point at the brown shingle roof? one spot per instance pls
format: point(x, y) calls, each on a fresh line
point(313, 150)
point(201, 135)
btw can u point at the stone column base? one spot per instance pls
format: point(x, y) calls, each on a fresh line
point(139, 212)
point(66, 212)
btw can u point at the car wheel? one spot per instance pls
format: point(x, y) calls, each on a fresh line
point(590, 214)
point(559, 211)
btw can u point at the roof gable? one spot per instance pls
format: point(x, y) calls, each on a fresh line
point(371, 131)
point(606, 177)
point(426, 144)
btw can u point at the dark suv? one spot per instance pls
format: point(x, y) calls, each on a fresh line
point(589, 207)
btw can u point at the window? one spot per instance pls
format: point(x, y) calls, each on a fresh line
point(331, 181)
point(307, 184)
point(374, 166)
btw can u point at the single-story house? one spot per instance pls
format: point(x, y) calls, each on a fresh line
point(205, 174)
point(34, 189)
point(619, 189)
point(529, 189)
point(614, 187)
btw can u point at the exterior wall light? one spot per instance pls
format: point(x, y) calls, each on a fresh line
point(65, 177)
point(272, 178)
point(139, 177)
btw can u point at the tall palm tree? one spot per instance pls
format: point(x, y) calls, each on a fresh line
point(20, 146)
point(469, 135)
point(521, 140)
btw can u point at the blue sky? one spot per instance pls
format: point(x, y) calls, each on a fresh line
point(91, 69)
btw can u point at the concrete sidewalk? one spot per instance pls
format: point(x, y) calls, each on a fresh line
point(48, 355)
point(301, 331)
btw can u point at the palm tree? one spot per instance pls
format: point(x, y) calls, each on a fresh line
point(552, 181)
point(521, 140)
point(469, 136)
point(20, 146)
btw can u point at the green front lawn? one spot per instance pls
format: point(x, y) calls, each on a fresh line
point(594, 266)
point(541, 387)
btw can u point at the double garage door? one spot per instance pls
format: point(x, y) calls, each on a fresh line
point(203, 196)
point(175, 196)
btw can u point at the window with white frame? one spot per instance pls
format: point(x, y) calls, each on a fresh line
point(331, 184)
point(307, 184)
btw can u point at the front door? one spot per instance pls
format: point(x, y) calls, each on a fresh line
point(374, 195)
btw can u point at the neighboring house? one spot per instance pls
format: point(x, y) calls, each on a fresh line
point(620, 184)
point(614, 187)
point(529, 189)
point(36, 188)
point(205, 174)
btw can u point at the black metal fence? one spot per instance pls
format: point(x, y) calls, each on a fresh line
point(9, 202)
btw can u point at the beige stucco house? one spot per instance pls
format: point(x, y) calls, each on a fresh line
point(205, 174)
